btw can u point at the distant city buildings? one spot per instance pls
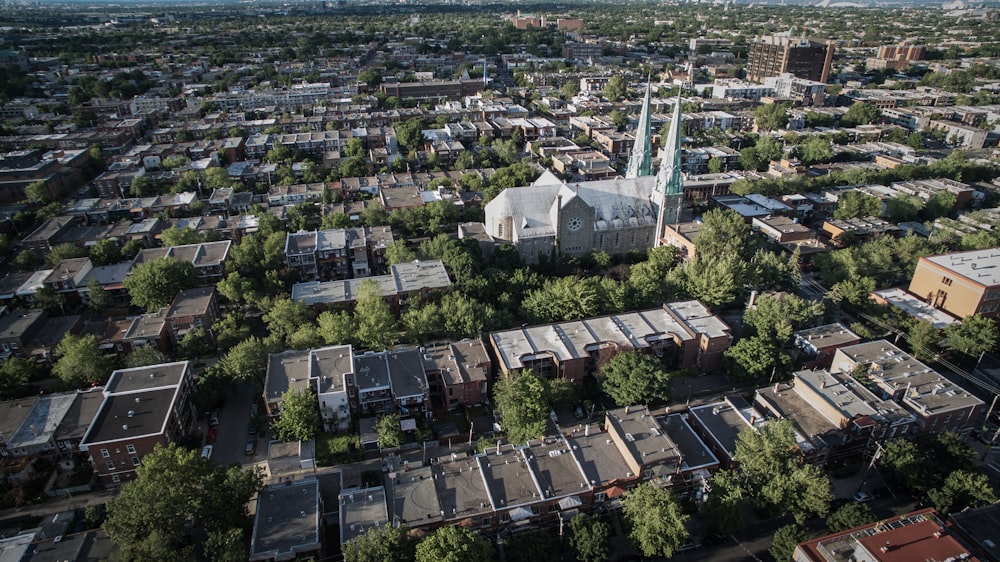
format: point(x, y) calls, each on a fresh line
point(774, 55)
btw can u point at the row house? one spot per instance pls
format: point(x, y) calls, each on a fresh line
point(116, 183)
point(682, 334)
point(320, 254)
point(208, 258)
point(391, 380)
point(142, 407)
point(818, 344)
point(279, 195)
point(44, 238)
point(18, 328)
point(49, 425)
point(846, 232)
point(937, 403)
point(328, 371)
point(458, 373)
point(191, 309)
point(404, 281)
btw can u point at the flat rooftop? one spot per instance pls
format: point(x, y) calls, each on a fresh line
point(599, 459)
point(724, 421)
point(191, 302)
point(460, 486)
point(508, 478)
point(406, 371)
point(556, 470)
point(979, 266)
point(289, 369)
point(287, 520)
point(121, 416)
point(915, 307)
point(644, 437)
point(146, 378)
point(360, 510)
point(413, 498)
point(79, 416)
point(329, 365)
point(42, 420)
point(827, 335)
point(924, 389)
point(694, 453)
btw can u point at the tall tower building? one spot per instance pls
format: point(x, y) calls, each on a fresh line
point(640, 163)
point(668, 193)
point(773, 55)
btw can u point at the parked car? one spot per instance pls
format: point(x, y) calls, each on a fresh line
point(213, 419)
point(862, 497)
point(206, 452)
point(211, 436)
point(251, 447)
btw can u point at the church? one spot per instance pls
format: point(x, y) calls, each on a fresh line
point(551, 218)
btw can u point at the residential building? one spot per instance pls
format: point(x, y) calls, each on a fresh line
point(289, 523)
point(847, 232)
point(962, 283)
point(719, 424)
point(642, 443)
point(142, 407)
point(208, 258)
point(18, 328)
point(774, 55)
point(192, 309)
point(74, 423)
point(818, 344)
point(920, 535)
point(458, 373)
point(914, 306)
point(404, 281)
point(361, 510)
point(937, 403)
point(683, 237)
point(42, 239)
point(319, 254)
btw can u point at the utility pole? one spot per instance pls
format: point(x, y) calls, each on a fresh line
point(993, 404)
point(989, 447)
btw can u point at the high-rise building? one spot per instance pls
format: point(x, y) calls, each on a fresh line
point(773, 55)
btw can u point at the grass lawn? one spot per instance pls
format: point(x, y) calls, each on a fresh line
point(337, 448)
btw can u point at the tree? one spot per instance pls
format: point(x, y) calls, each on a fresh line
point(335, 220)
point(902, 207)
point(619, 118)
point(371, 77)
point(38, 192)
point(140, 186)
point(246, 360)
point(194, 344)
point(522, 402)
point(615, 89)
point(855, 204)
point(154, 284)
point(941, 204)
point(726, 501)
point(399, 252)
point(97, 299)
point(226, 545)
point(454, 544)
point(105, 252)
point(860, 113)
point(776, 317)
point(145, 355)
point(785, 540)
point(569, 89)
point(15, 374)
point(905, 464)
point(299, 418)
point(336, 328)
point(563, 298)
point(816, 150)
point(850, 515)
point(757, 357)
point(962, 489)
point(81, 361)
point(230, 330)
point(804, 491)
point(380, 544)
point(390, 435)
point(588, 538)
point(151, 517)
point(286, 317)
point(632, 377)
point(217, 178)
point(64, 252)
point(376, 327)
point(973, 335)
point(656, 521)
point(924, 338)
point(27, 260)
point(180, 236)
point(770, 117)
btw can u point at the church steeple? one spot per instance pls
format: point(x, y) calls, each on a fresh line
point(640, 163)
point(669, 189)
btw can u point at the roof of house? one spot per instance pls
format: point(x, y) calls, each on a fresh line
point(360, 510)
point(287, 520)
point(979, 266)
point(412, 495)
point(191, 302)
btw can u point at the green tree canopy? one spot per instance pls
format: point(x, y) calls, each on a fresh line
point(726, 501)
point(860, 113)
point(855, 204)
point(962, 489)
point(389, 433)
point(154, 284)
point(80, 361)
point(816, 150)
point(145, 355)
point(15, 374)
point(655, 519)
point(374, 322)
point(522, 401)
point(381, 544)
point(850, 515)
point(771, 116)
point(632, 377)
point(973, 335)
point(531, 546)
point(588, 538)
point(785, 540)
point(152, 516)
point(453, 543)
point(615, 89)
point(180, 236)
point(246, 360)
point(903, 207)
point(105, 252)
point(299, 418)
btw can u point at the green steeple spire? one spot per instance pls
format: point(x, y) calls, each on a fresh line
point(640, 163)
point(670, 179)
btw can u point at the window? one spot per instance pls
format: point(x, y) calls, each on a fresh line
point(105, 453)
point(946, 281)
point(110, 465)
point(451, 392)
point(130, 449)
point(115, 478)
point(554, 507)
point(505, 518)
point(500, 230)
point(486, 522)
point(135, 461)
